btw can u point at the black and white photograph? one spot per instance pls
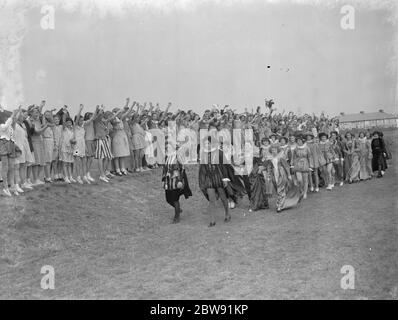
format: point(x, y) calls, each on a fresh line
point(198, 150)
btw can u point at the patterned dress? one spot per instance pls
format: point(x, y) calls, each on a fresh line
point(277, 182)
point(301, 158)
point(138, 136)
point(327, 151)
point(338, 161)
point(57, 132)
point(66, 148)
point(317, 158)
point(365, 156)
point(38, 143)
point(351, 160)
point(120, 141)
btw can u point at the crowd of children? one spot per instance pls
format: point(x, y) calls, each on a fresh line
point(307, 152)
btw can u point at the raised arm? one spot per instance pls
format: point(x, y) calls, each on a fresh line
point(79, 113)
point(128, 113)
point(41, 106)
point(127, 103)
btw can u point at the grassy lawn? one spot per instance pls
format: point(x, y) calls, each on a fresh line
point(116, 241)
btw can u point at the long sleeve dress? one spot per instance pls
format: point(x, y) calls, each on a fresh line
point(378, 161)
point(365, 156)
point(351, 162)
point(277, 182)
point(258, 190)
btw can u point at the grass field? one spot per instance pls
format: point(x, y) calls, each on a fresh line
point(116, 241)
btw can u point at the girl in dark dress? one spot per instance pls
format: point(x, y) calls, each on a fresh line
point(175, 183)
point(387, 152)
point(259, 196)
point(379, 154)
point(217, 180)
point(339, 159)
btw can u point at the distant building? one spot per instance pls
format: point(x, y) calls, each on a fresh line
point(364, 120)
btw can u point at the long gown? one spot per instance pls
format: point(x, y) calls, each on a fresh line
point(365, 152)
point(259, 196)
point(338, 162)
point(277, 182)
point(378, 160)
point(351, 160)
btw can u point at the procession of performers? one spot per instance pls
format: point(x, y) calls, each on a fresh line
point(292, 155)
point(285, 168)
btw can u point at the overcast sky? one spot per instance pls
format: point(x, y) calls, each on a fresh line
point(235, 54)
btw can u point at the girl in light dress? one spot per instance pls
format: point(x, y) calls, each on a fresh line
point(89, 138)
point(38, 144)
point(8, 152)
point(365, 156)
point(29, 130)
point(138, 140)
point(26, 157)
point(278, 180)
point(351, 158)
point(66, 149)
point(56, 166)
point(79, 149)
point(368, 136)
point(49, 145)
point(120, 141)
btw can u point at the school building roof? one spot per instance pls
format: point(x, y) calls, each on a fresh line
point(366, 116)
